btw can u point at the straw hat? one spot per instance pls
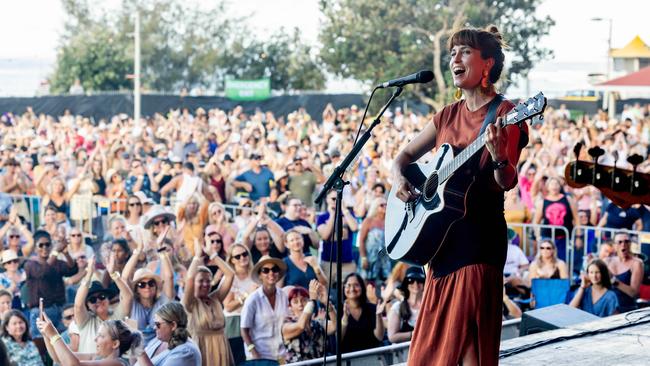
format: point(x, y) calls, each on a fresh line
point(109, 174)
point(8, 256)
point(268, 260)
point(145, 273)
point(155, 212)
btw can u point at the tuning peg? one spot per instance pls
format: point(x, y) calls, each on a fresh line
point(635, 159)
point(596, 152)
point(576, 150)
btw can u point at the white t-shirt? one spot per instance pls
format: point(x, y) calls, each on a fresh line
point(515, 258)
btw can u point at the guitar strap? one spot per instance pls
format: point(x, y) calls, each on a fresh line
point(491, 115)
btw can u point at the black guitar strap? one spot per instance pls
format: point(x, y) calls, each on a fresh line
point(491, 115)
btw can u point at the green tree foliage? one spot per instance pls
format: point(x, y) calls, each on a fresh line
point(182, 45)
point(373, 40)
point(284, 58)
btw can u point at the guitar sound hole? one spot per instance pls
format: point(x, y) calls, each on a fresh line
point(430, 187)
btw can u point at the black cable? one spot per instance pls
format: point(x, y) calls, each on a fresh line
point(642, 320)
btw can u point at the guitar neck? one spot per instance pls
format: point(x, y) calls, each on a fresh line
point(446, 171)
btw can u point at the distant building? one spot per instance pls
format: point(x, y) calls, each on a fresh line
point(631, 58)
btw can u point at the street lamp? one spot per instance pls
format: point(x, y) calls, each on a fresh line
point(609, 43)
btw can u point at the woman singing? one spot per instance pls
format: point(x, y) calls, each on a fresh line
point(460, 316)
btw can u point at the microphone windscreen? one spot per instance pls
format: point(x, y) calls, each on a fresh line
point(425, 76)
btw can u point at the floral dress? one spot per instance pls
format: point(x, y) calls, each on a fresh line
point(26, 355)
point(308, 345)
point(379, 264)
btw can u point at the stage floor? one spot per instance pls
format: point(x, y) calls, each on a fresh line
point(625, 345)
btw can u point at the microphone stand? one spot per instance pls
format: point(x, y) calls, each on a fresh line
point(336, 182)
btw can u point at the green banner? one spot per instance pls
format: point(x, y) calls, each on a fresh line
point(248, 89)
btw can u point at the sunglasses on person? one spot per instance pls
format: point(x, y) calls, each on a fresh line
point(14, 236)
point(240, 256)
point(94, 299)
point(413, 280)
point(134, 204)
point(13, 261)
point(68, 317)
point(546, 248)
point(624, 241)
point(216, 241)
point(160, 222)
point(274, 269)
point(144, 284)
point(45, 244)
point(75, 235)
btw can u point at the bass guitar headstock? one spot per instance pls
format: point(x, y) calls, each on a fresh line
point(622, 186)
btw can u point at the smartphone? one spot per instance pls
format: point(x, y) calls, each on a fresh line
point(40, 307)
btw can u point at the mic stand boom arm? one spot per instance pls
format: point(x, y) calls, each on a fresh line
point(335, 181)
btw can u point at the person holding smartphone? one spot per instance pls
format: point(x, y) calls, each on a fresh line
point(45, 273)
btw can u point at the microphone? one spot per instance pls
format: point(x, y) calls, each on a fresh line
point(423, 76)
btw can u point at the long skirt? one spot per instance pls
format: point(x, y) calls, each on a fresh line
point(459, 309)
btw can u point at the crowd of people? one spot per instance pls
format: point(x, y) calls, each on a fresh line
point(192, 238)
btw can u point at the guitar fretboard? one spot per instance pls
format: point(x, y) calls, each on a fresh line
point(446, 171)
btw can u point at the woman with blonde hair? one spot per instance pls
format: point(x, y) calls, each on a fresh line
point(206, 319)
point(371, 241)
point(546, 263)
point(218, 216)
point(193, 216)
point(240, 259)
point(172, 345)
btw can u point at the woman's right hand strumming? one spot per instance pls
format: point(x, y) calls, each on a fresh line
point(405, 190)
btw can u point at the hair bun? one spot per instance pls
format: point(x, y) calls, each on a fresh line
point(494, 30)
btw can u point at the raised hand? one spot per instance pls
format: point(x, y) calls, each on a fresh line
point(110, 265)
point(161, 238)
point(314, 287)
point(198, 250)
point(381, 306)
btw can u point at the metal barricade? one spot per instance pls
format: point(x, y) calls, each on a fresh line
point(599, 235)
point(395, 353)
point(532, 231)
point(29, 208)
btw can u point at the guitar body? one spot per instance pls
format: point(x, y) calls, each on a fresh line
point(415, 231)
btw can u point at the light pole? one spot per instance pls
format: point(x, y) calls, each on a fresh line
point(609, 44)
point(136, 67)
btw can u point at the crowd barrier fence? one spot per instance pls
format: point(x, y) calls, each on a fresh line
point(395, 353)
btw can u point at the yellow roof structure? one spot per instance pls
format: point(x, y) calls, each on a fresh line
point(635, 49)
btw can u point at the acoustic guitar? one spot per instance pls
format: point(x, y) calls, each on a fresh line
point(416, 230)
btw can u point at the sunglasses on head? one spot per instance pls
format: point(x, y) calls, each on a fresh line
point(94, 299)
point(240, 256)
point(274, 269)
point(150, 283)
point(45, 244)
point(160, 222)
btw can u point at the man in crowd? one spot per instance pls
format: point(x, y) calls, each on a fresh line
point(291, 220)
point(45, 274)
point(257, 180)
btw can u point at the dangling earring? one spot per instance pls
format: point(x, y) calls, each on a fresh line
point(458, 94)
point(484, 81)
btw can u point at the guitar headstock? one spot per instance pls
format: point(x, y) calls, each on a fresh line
point(533, 108)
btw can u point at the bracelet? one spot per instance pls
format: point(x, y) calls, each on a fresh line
point(55, 253)
point(54, 339)
point(250, 347)
point(115, 275)
point(309, 308)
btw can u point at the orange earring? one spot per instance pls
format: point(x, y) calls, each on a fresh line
point(458, 94)
point(484, 81)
